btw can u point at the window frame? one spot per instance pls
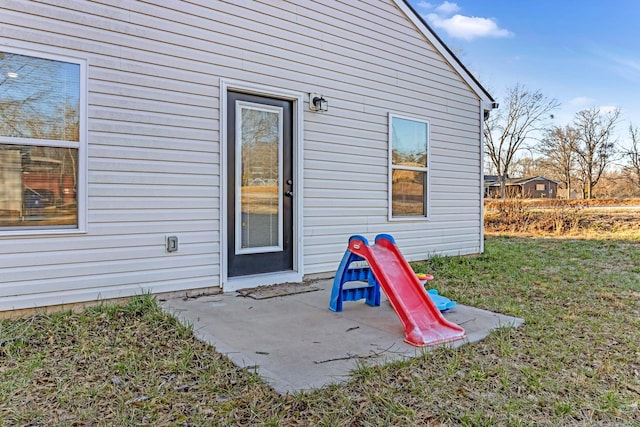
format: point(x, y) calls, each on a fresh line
point(80, 145)
point(426, 170)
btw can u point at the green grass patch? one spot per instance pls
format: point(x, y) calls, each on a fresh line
point(576, 360)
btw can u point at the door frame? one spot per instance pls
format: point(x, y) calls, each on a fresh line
point(230, 284)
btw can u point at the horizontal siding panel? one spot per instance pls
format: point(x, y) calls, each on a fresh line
point(173, 268)
point(182, 191)
point(142, 215)
point(425, 229)
point(106, 292)
point(164, 109)
point(114, 280)
point(152, 203)
point(155, 240)
point(461, 162)
point(137, 84)
point(453, 219)
point(346, 153)
point(114, 141)
point(328, 211)
point(315, 178)
point(448, 150)
point(372, 226)
point(96, 255)
point(153, 178)
point(350, 196)
point(469, 205)
point(146, 129)
point(267, 31)
point(168, 227)
point(368, 34)
point(466, 177)
point(334, 188)
point(114, 90)
point(452, 187)
point(336, 145)
point(164, 53)
point(319, 222)
point(361, 168)
point(140, 167)
point(339, 135)
point(128, 154)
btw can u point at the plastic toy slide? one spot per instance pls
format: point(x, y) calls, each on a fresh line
point(423, 322)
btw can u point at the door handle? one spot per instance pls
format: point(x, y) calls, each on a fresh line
point(288, 193)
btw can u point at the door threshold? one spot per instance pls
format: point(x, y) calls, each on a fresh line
point(233, 284)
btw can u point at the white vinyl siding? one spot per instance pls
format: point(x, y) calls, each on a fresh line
point(154, 73)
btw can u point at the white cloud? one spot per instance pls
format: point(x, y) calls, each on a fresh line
point(424, 5)
point(631, 63)
point(467, 27)
point(629, 68)
point(581, 101)
point(447, 8)
point(626, 65)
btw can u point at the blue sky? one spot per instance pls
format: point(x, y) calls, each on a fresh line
point(582, 53)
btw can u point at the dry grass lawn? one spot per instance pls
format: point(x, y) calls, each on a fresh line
point(576, 361)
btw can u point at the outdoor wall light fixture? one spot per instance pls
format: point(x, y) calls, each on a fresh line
point(318, 103)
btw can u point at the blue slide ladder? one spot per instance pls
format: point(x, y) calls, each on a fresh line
point(370, 291)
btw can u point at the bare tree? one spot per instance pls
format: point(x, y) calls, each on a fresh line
point(595, 145)
point(506, 132)
point(632, 170)
point(528, 166)
point(557, 147)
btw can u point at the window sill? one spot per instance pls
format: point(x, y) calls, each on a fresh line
point(409, 219)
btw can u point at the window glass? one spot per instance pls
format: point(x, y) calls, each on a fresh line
point(260, 167)
point(39, 142)
point(39, 98)
point(409, 145)
point(409, 141)
point(38, 185)
point(540, 187)
point(408, 189)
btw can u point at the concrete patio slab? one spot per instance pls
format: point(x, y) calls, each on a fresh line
point(296, 343)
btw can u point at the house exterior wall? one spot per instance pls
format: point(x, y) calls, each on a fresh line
point(154, 73)
point(530, 189)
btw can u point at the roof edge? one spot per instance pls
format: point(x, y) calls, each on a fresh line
point(444, 50)
point(534, 178)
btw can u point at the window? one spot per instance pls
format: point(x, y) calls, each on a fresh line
point(409, 167)
point(41, 142)
point(540, 187)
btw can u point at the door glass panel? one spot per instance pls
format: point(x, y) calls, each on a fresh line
point(258, 178)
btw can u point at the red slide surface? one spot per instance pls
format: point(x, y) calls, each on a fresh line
point(423, 322)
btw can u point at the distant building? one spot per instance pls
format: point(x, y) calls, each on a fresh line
point(537, 187)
